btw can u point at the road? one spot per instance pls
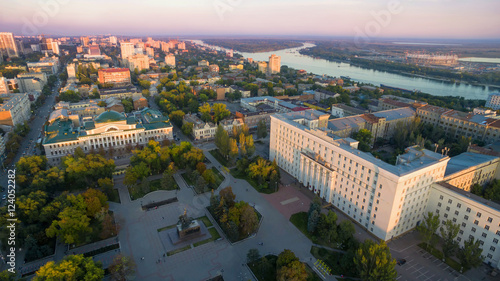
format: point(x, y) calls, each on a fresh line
point(28, 144)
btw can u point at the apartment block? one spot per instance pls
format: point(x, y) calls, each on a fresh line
point(15, 109)
point(120, 76)
point(493, 101)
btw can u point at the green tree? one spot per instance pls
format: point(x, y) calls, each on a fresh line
point(209, 176)
point(285, 258)
point(248, 220)
point(364, 137)
point(222, 141)
point(261, 129)
point(73, 267)
point(227, 195)
point(167, 181)
point(73, 226)
point(205, 111)
point(253, 255)
point(449, 232)
point(8, 276)
point(294, 271)
point(220, 112)
point(428, 227)
point(345, 231)
point(122, 268)
point(242, 141)
point(250, 146)
point(374, 262)
point(327, 226)
point(187, 128)
point(70, 96)
point(177, 117)
point(470, 254)
point(312, 221)
point(95, 201)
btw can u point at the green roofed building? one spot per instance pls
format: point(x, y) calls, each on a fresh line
point(108, 130)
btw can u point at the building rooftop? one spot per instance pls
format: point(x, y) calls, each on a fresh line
point(394, 114)
point(110, 116)
point(466, 160)
point(110, 70)
point(472, 196)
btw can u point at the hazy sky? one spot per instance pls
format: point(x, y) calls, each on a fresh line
point(374, 18)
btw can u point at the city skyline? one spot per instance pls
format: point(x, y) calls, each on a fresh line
point(429, 19)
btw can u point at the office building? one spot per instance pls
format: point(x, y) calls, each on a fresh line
point(110, 129)
point(115, 76)
point(274, 64)
point(8, 45)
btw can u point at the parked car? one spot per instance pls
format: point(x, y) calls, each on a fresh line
point(401, 261)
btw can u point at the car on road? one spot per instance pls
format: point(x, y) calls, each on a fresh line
point(401, 261)
point(4, 197)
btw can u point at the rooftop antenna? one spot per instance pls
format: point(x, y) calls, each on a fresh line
point(436, 145)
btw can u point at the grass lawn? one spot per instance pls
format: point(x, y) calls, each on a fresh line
point(300, 222)
point(154, 185)
point(215, 235)
point(187, 179)
point(333, 261)
point(439, 255)
point(216, 154)
point(178, 250)
point(251, 181)
point(219, 178)
point(205, 221)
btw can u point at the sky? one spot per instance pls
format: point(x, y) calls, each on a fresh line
point(438, 19)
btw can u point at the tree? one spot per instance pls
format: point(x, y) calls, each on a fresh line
point(201, 167)
point(248, 220)
point(428, 227)
point(95, 201)
point(233, 148)
point(250, 146)
point(205, 111)
point(109, 227)
point(294, 271)
point(200, 183)
point(73, 226)
point(312, 221)
point(222, 141)
point(70, 96)
point(209, 176)
point(327, 226)
point(285, 258)
point(228, 196)
point(187, 128)
point(261, 129)
point(6, 275)
point(345, 231)
point(220, 112)
point(448, 233)
point(122, 268)
point(374, 262)
point(253, 255)
point(73, 267)
point(470, 254)
point(364, 137)
point(242, 141)
point(177, 116)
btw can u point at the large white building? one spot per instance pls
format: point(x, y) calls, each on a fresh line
point(170, 60)
point(493, 101)
point(206, 131)
point(274, 64)
point(110, 129)
point(388, 200)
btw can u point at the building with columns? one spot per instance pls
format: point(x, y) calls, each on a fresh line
point(110, 129)
point(387, 200)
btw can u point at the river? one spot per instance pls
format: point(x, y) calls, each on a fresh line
point(292, 58)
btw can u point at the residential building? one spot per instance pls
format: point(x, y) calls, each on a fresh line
point(15, 109)
point(121, 93)
point(375, 194)
point(170, 60)
point(385, 104)
point(203, 63)
point(84, 41)
point(274, 64)
point(113, 40)
point(138, 61)
point(71, 69)
point(116, 76)
point(252, 119)
point(493, 101)
point(127, 49)
point(49, 65)
point(109, 130)
point(94, 50)
point(244, 93)
point(253, 103)
point(31, 81)
point(140, 102)
point(4, 86)
point(8, 45)
point(262, 65)
point(221, 92)
point(213, 68)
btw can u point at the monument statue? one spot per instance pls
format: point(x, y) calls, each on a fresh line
point(187, 227)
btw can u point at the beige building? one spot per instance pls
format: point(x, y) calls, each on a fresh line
point(274, 64)
point(252, 119)
point(478, 218)
point(388, 200)
point(170, 60)
point(119, 76)
point(206, 131)
point(467, 169)
point(262, 65)
point(127, 49)
point(110, 129)
point(381, 124)
point(8, 45)
point(15, 109)
point(4, 85)
point(30, 82)
point(138, 62)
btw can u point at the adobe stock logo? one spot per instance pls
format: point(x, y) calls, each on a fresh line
point(380, 20)
point(223, 6)
point(46, 9)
